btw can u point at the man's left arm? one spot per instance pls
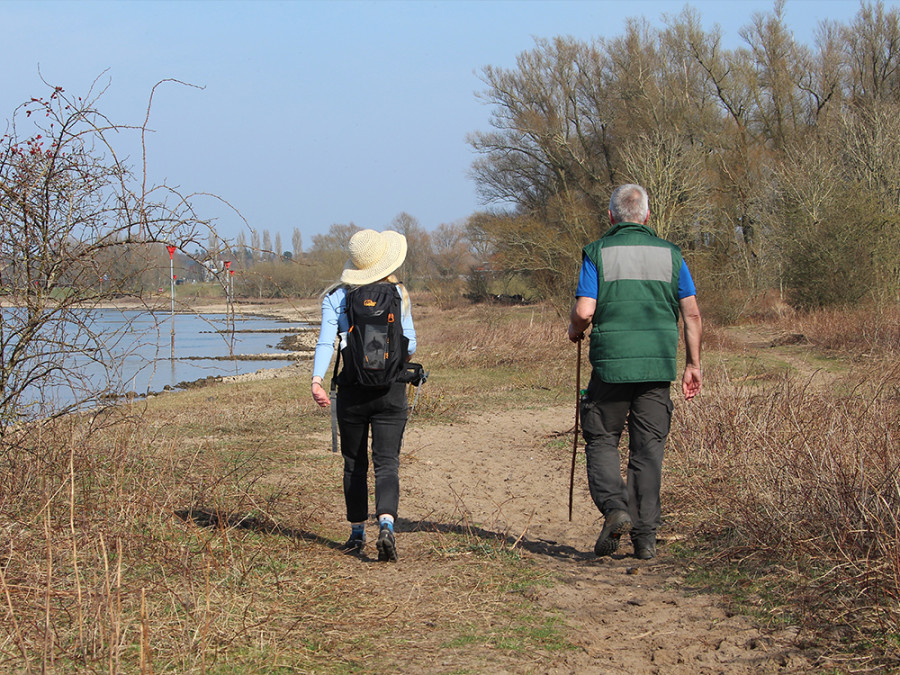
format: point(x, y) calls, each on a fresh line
point(692, 379)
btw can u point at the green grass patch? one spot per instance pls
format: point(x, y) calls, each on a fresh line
point(753, 589)
point(520, 634)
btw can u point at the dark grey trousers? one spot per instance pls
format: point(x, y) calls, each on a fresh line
point(384, 412)
point(647, 408)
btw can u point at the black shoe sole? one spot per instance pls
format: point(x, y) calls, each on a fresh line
point(387, 549)
point(608, 541)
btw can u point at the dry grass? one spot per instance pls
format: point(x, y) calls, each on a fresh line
point(859, 331)
point(488, 356)
point(796, 485)
point(477, 337)
point(191, 533)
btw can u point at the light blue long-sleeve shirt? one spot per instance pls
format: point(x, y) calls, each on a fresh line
point(334, 321)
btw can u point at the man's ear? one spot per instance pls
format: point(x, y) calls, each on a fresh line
point(647, 219)
point(611, 221)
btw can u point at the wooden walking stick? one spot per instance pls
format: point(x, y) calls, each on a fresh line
point(575, 435)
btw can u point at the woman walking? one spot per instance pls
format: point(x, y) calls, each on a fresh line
point(374, 257)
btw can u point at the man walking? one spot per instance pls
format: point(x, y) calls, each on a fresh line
point(632, 288)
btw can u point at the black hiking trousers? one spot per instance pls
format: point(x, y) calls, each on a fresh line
point(647, 409)
point(384, 411)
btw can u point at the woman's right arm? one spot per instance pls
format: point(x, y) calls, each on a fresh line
point(325, 348)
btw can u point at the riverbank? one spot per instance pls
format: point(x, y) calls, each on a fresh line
point(298, 346)
point(301, 310)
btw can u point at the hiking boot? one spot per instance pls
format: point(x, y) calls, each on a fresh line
point(617, 523)
point(645, 551)
point(354, 544)
point(386, 545)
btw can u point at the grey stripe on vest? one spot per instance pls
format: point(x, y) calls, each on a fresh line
point(643, 263)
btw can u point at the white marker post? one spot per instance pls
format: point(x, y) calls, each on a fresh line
point(229, 307)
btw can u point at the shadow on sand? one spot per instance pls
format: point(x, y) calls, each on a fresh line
point(212, 518)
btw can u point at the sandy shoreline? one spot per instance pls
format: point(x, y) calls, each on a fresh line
point(305, 310)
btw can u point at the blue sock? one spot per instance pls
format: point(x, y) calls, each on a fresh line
point(387, 522)
point(358, 530)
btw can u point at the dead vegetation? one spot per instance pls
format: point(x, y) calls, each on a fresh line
point(792, 482)
point(197, 532)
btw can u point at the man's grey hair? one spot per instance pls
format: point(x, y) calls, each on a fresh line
point(629, 204)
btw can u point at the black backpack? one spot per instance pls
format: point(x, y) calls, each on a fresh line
point(376, 350)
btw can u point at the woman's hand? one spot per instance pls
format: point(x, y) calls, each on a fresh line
point(320, 395)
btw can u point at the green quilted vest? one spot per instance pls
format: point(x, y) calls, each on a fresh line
point(634, 337)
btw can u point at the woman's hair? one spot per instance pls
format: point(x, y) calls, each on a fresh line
point(404, 295)
point(391, 278)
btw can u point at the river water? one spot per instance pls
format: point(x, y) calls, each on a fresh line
point(131, 352)
point(201, 342)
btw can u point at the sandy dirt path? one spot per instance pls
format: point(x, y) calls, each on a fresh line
point(501, 473)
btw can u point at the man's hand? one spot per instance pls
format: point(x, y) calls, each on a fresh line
point(691, 382)
point(575, 335)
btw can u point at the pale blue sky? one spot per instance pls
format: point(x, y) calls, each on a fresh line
point(315, 113)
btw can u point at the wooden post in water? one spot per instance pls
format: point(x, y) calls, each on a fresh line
point(229, 307)
point(171, 250)
point(231, 292)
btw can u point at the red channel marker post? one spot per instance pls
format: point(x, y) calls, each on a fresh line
point(172, 250)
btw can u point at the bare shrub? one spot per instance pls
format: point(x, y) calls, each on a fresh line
point(873, 329)
point(78, 228)
point(798, 474)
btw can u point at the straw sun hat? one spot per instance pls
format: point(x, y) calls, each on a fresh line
point(373, 256)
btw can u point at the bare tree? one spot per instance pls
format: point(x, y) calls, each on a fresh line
point(78, 228)
point(872, 47)
point(266, 252)
point(255, 246)
point(451, 250)
point(243, 254)
point(776, 109)
point(674, 175)
point(552, 138)
point(418, 241)
point(329, 251)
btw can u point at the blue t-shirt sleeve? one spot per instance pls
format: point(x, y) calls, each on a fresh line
point(685, 282)
point(587, 281)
